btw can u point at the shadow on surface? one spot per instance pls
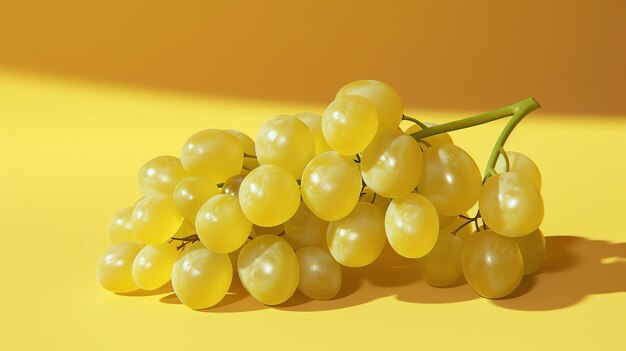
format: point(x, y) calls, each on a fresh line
point(575, 267)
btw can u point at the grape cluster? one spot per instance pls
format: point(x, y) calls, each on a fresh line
point(316, 193)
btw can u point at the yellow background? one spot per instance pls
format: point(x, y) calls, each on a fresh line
point(91, 90)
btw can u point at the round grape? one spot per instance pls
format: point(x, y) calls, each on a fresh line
point(442, 265)
point(313, 121)
point(533, 249)
point(349, 124)
point(152, 267)
point(115, 267)
point(305, 229)
point(222, 227)
point(191, 192)
point(155, 219)
point(160, 175)
point(412, 225)
point(213, 153)
point(522, 165)
point(232, 185)
point(120, 229)
point(384, 98)
point(320, 274)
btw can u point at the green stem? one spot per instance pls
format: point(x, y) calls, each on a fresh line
point(518, 111)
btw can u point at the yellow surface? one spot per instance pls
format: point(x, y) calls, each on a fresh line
point(70, 152)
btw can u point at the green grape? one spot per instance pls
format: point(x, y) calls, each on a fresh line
point(349, 124)
point(437, 139)
point(285, 141)
point(268, 269)
point(214, 154)
point(442, 265)
point(492, 264)
point(232, 185)
point(533, 249)
point(155, 219)
point(305, 229)
point(451, 179)
point(222, 226)
point(115, 267)
point(320, 274)
point(160, 175)
point(119, 227)
point(392, 165)
point(275, 230)
point(152, 267)
point(386, 100)
point(357, 239)
point(191, 192)
point(331, 185)
point(248, 148)
point(269, 196)
point(201, 278)
point(522, 165)
point(511, 205)
point(313, 121)
point(380, 201)
point(412, 225)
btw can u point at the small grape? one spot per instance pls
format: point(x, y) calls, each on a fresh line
point(191, 192)
point(160, 175)
point(384, 98)
point(357, 239)
point(412, 225)
point(248, 148)
point(331, 185)
point(320, 274)
point(533, 249)
point(114, 269)
point(221, 224)
point(305, 229)
point(442, 265)
point(232, 185)
point(269, 269)
point(451, 179)
point(349, 124)
point(285, 141)
point(392, 165)
point(152, 267)
point(201, 278)
point(492, 264)
point(511, 205)
point(155, 219)
point(314, 122)
point(119, 227)
point(269, 196)
point(213, 153)
point(520, 164)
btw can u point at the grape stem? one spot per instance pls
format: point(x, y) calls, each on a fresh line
point(517, 111)
point(414, 120)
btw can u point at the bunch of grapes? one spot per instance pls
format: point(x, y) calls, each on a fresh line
point(316, 193)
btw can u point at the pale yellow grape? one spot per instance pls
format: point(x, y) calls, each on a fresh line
point(445, 221)
point(412, 225)
point(275, 230)
point(380, 201)
point(331, 185)
point(533, 249)
point(320, 274)
point(451, 179)
point(305, 229)
point(392, 165)
point(492, 264)
point(522, 165)
point(314, 122)
point(442, 265)
point(248, 148)
point(287, 142)
point(349, 124)
point(115, 267)
point(186, 229)
point(119, 227)
point(269, 269)
point(437, 139)
point(269, 195)
point(155, 219)
point(357, 239)
point(222, 227)
point(511, 205)
point(232, 184)
point(152, 267)
point(160, 175)
point(191, 192)
point(202, 278)
point(386, 100)
point(213, 153)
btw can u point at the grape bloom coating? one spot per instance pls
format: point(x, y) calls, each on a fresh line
point(317, 195)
